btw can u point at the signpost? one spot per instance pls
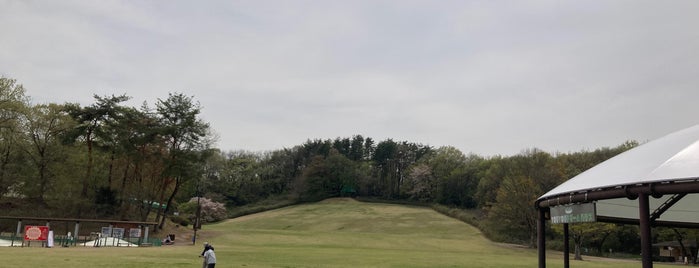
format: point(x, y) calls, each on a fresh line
point(577, 213)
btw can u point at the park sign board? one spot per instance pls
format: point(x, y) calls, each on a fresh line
point(135, 232)
point(118, 232)
point(106, 231)
point(577, 213)
point(36, 233)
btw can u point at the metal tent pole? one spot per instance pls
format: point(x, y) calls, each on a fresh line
point(566, 246)
point(644, 228)
point(541, 237)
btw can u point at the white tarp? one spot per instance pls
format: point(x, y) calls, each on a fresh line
point(102, 242)
point(7, 243)
point(108, 242)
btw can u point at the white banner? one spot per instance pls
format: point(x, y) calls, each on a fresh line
point(49, 243)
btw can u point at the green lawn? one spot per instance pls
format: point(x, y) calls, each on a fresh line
point(332, 233)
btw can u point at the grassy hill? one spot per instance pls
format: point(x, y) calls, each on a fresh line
point(332, 233)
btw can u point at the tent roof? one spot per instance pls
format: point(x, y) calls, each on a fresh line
point(672, 160)
point(674, 157)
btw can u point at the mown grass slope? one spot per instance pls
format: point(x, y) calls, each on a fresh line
point(347, 233)
point(332, 233)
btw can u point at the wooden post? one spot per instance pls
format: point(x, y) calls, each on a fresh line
point(17, 234)
point(76, 234)
point(46, 243)
point(111, 234)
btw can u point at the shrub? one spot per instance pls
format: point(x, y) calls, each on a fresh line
point(210, 211)
point(182, 221)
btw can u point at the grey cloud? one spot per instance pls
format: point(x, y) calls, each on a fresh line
point(489, 77)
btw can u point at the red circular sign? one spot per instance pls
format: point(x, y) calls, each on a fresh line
point(36, 233)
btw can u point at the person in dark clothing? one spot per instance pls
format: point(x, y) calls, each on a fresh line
point(206, 246)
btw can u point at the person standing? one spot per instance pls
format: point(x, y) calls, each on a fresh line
point(206, 247)
point(210, 257)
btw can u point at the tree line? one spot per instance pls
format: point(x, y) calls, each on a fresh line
point(105, 160)
point(110, 160)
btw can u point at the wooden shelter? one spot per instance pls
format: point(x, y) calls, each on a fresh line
point(144, 227)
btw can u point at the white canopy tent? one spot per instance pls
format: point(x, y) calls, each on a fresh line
point(666, 169)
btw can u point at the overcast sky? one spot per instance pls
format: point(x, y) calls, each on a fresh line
point(487, 77)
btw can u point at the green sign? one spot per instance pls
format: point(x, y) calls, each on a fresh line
point(586, 212)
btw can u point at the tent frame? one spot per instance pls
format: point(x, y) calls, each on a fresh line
point(646, 220)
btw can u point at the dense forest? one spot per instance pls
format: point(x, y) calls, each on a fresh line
point(109, 160)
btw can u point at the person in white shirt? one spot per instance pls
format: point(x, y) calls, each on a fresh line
point(210, 257)
point(206, 247)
